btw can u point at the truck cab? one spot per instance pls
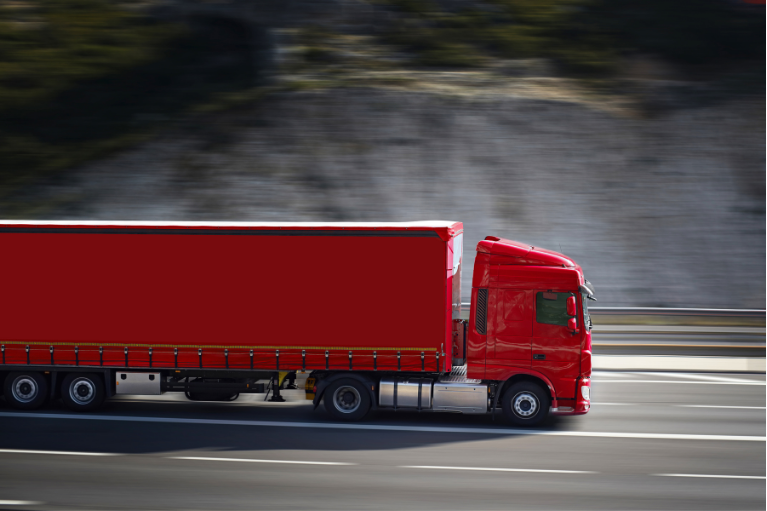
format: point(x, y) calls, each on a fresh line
point(529, 321)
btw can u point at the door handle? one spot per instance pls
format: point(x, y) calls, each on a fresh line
point(539, 356)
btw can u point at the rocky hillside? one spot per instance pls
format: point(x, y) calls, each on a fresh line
point(665, 211)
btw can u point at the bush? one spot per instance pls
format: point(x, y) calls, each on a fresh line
point(82, 77)
point(62, 42)
point(583, 36)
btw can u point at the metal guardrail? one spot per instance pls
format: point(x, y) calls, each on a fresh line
point(650, 334)
point(673, 311)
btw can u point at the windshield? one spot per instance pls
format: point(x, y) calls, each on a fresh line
point(586, 317)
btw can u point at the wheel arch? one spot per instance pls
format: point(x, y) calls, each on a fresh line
point(530, 375)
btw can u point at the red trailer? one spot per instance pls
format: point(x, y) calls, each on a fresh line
point(93, 309)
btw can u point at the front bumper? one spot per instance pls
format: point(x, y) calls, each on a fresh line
point(582, 400)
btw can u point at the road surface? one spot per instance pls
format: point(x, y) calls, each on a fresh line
point(652, 441)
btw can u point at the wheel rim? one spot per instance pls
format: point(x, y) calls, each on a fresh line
point(24, 389)
point(82, 391)
point(526, 405)
point(347, 399)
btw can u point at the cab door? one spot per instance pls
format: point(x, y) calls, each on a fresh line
point(512, 328)
point(555, 349)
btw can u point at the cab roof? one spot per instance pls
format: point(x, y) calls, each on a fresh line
point(514, 252)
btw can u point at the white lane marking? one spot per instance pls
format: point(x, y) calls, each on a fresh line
point(679, 406)
point(677, 382)
point(702, 377)
point(66, 453)
point(380, 427)
point(718, 406)
point(19, 503)
point(540, 471)
point(242, 460)
point(711, 476)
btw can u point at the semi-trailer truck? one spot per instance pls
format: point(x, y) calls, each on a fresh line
point(369, 312)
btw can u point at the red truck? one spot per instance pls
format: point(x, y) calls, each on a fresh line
point(94, 309)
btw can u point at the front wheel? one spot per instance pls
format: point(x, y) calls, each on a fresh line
point(347, 400)
point(526, 404)
point(82, 392)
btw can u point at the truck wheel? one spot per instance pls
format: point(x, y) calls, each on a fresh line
point(26, 391)
point(525, 404)
point(82, 392)
point(347, 400)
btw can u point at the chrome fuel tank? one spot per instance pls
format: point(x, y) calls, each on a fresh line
point(405, 393)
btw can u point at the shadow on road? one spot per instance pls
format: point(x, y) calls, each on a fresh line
point(154, 437)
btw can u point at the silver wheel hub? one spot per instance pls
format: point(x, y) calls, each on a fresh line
point(82, 391)
point(346, 399)
point(24, 389)
point(525, 405)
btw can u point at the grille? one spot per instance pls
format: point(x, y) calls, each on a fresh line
point(481, 320)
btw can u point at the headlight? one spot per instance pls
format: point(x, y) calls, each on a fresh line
point(586, 393)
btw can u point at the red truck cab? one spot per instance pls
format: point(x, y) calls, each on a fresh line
point(530, 317)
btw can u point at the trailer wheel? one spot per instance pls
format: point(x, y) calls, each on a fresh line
point(25, 391)
point(82, 392)
point(525, 404)
point(347, 400)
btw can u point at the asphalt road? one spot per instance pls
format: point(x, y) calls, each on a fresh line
point(652, 441)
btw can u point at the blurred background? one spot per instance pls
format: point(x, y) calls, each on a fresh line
point(627, 134)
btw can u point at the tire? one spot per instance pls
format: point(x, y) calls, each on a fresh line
point(526, 404)
point(82, 392)
point(26, 390)
point(347, 399)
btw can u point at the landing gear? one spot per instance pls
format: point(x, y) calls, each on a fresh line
point(526, 404)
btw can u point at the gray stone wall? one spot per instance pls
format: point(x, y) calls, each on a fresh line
point(665, 211)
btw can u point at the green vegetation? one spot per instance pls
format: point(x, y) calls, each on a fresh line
point(501, 28)
point(79, 78)
point(584, 37)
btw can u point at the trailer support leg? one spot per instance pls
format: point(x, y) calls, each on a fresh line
point(276, 382)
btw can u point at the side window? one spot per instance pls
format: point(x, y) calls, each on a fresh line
point(551, 308)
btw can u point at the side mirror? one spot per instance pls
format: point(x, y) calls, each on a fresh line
point(572, 308)
point(572, 325)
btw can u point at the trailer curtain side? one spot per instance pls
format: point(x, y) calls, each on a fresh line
point(313, 298)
